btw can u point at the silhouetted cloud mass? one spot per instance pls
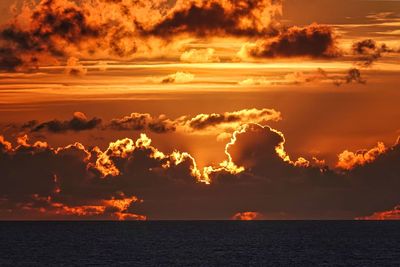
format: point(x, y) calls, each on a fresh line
point(53, 31)
point(79, 122)
point(217, 123)
point(258, 176)
point(315, 41)
point(216, 17)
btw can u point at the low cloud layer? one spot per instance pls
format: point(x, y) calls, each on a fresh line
point(134, 180)
point(214, 124)
point(353, 75)
point(142, 122)
point(79, 122)
point(349, 160)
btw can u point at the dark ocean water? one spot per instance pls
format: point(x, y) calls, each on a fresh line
point(200, 243)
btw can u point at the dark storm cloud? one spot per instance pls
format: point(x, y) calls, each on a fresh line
point(258, 176)
point(316, 41)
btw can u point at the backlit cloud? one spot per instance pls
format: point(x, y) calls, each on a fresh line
point(349, 160)
point(132, 179)
point(211, 124)
point(230, 120)
point(247, 216)
point(170, 131)
point(178, 77)
point(200, 56)
point(393, 215)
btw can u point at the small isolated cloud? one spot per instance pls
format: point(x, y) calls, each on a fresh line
point(200, 56)
point(382, 16)
point(247, 216)
point(353, 75)
point(293, 78)
point(255, 81)
point(102, 65)
point(75, 68)
point(178, 77)
point(369, 51)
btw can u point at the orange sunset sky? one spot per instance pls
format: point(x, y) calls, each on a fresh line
point(194, 109)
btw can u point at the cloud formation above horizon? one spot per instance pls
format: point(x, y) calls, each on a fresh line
point(54, 32)
point(160, 109)
point(55, 29)
point(76, 182)
point(315, 41)
point(211, 124)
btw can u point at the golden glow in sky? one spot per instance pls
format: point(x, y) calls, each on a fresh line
point(192, 109)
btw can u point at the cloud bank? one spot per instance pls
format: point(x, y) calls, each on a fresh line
point(214, 124)
point(53, 31)
point(132, 179)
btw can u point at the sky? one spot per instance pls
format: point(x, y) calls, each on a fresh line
point(199, 110)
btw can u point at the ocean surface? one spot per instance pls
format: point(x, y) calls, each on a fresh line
point(256, 243)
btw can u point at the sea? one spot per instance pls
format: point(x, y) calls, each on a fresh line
point(200, 243)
